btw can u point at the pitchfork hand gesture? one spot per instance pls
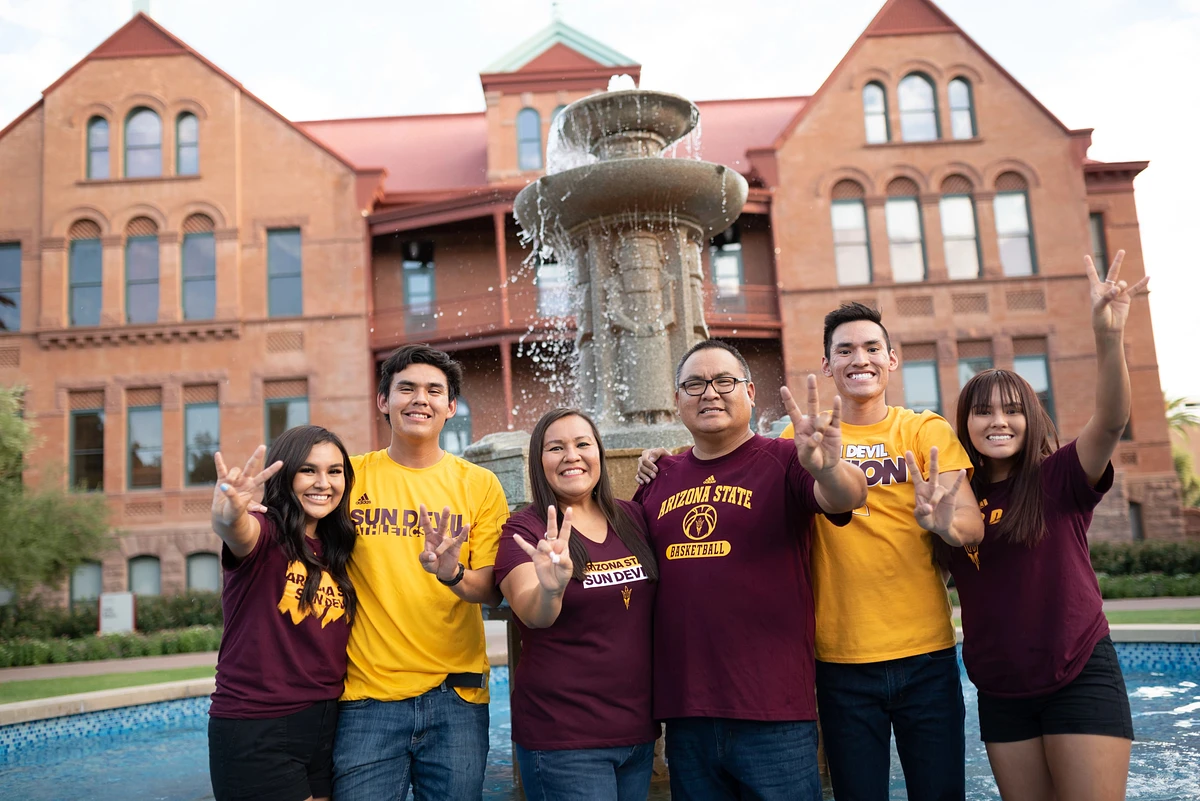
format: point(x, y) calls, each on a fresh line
point(818, 436)
point(441, 553)
point(1111, 298)
point(233, 498)
point(934, 503)
point(552, 555)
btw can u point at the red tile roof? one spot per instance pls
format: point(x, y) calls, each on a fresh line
point(444, 153)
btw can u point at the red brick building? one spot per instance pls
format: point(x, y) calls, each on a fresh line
point(192, 269)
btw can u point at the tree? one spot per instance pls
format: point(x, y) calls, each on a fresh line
point(45, 531)
point(1183, 418)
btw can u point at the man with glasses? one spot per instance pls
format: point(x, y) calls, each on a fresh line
point(731, 522)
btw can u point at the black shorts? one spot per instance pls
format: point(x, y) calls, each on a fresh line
point(1095, 702)
point(273, 759)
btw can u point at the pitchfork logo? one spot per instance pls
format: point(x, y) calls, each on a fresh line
point(700, 522)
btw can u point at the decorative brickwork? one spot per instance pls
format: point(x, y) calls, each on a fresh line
point(1011, 182)
point(87, 399)
point(848, 190)
point(198, 224)
point(919, 306)
point(975, 303)
point(284, 341)
point(975, 349)
point(10, 357)
point(84, 229)
point(919, 352)
point(291, 388)
point(1026, 300)
point(141, 226)
point(144, 396)
point(956, 185)
point(200, 393)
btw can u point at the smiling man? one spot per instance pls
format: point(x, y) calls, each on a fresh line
point(414, 711)
point(731, 523)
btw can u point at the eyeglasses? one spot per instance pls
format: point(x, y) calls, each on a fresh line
point(722, 384)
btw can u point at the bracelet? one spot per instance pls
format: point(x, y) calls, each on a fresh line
point(462, 570)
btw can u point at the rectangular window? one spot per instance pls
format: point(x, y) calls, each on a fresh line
point(284, 285)
point(958, 233)
point(969, 367)
point(285, 413)
point(1136, 528)
point(145, 447)
point(10, 287)
point(202, 435)
point(921, 386)
point(86, 258)
point(905, 239)
point(87, 581)
point(851, 244)
point(1099, 243)
point(87, 449)
point(141, 279)
point(725, 253)
point(554, 290)
point(199, 277)
point(1036, 370)
point(1013, 232)
point(418, 278)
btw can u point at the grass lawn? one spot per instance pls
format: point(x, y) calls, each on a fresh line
point(13, 691)
point(1128, 616)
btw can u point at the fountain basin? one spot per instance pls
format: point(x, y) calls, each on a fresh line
point(632, 123)
point(707, 196)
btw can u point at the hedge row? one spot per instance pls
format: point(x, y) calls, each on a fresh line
point(39, 621)
point(24, 651)
point(1149, 556)
point(1145, 585)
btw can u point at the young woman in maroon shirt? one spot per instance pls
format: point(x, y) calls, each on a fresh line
point(1053, 709)
point(580, 576)
point(288, 606)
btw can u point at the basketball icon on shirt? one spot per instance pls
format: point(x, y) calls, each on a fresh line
point(700, 522)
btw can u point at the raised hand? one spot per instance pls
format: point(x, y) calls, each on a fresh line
point(648, 464)
point(441, 553)
point(552, 555)
point(818, 437)
point(233, 495)
point(934, 504)
point(1111, 298)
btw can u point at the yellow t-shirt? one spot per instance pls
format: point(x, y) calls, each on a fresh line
point(410, 630)
point(878, 594)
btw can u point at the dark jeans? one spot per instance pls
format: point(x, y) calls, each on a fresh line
point(587, 774)
point(720, 758)
point(437, 742)
point(920, 697)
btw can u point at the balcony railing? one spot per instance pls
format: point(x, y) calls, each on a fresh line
point(480, 316)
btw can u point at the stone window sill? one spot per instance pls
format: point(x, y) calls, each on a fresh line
point(974, 140)
point(144, 180)
point(102, 336)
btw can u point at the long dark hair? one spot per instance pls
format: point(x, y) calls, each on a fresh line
point(1024, 520)
point(336, 532)
point(543, 495)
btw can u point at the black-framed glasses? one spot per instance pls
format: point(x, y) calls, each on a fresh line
point(722, 384)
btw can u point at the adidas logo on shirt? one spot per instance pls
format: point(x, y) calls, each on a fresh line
point(710, 480)
point(362, 500)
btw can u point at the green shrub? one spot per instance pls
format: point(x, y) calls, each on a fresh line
point(159, 613)
point(1149, 585)
point(37, 620)
point(25, 651)
point(1149, 556)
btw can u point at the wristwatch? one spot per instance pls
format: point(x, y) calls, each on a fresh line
point(457, 578)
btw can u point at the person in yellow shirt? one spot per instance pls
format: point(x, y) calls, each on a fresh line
point(414, 712)
point(886, 660)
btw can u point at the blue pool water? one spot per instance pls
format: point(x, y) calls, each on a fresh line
point(169, 759)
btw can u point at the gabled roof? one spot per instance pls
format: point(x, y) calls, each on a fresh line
point(906, 18)
point(558, 32)
point(142, 37)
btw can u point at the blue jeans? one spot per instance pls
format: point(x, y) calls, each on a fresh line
point(920, 697)
point(720, 758)
point(437, 742)
point(587, 774)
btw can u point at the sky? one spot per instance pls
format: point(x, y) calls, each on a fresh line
point(1128, 68)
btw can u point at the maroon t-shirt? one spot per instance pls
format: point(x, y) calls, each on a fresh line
point(276, 660)
point(1031, 616)
point(733, 621)
point(584, 682)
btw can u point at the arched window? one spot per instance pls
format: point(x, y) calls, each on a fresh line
point(554, 114)
point(875, 115)
point(187, 144)
point(918, 109)
point(957, 210)
point(86, 582)
point(141, 271)
point(529, 140)
point(145, 575)
point(199, 268)
point(906, 245)
point(85, 272)
point(97, 143)
point(143, 144)
point(962, 110)
point(456, 434)
point(204, 572)
point(1013, 229)
point(851, 244)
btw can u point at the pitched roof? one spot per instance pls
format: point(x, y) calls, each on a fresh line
point(558, 32)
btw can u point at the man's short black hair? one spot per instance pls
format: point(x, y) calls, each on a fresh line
point(849, 313)
point(403, 356)
point(715, 344)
